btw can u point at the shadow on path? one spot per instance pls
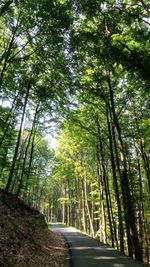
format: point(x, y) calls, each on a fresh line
point(87, 252)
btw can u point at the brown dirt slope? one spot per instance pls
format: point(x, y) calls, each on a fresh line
point(25, 240)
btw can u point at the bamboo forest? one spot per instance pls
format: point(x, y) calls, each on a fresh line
point(75, 115)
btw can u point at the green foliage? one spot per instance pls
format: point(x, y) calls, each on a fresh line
point(85, 65)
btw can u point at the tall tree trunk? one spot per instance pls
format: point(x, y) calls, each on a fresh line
point(18, 166)
point(8, 121)
point(84, 221)
point(18, 139)
point(115, 183)
point(79, 203)
point(142, 224)
point(31, 155)
point(145, 161)
point(26, 151)
point(104, 178)
point(127, 200)
point(87, 205)
point(103, 237)
point(129, 241)
point(6, 55)
point(144, 156)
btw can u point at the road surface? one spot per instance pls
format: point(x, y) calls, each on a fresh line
point(87, 252)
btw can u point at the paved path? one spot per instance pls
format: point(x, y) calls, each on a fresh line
point(87, 252)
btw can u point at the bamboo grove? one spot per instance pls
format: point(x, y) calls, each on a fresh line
point(80, 68)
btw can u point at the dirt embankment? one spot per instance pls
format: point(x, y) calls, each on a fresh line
point(25, 240)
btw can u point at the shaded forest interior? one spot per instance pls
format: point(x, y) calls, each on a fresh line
point(25, 239)
point(79, 70)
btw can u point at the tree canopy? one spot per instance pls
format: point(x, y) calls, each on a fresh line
point(80, 68)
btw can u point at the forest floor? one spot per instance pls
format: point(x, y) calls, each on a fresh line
point(25, 240)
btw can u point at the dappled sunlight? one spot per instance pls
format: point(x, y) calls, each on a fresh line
point(74, 131)
point(104, 258)
point(86, 251)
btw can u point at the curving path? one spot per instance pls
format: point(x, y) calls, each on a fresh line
point(87, 252)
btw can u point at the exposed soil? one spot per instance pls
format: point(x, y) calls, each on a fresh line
point(25, 240)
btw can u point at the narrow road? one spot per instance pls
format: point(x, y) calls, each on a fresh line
point(87, 252)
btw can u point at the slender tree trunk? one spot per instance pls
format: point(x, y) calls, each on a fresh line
point(128, 205)
point(18, 166)
point(121, 229)
point(8, 121)
point(26, 151)
point(142, 224)
point(129, 241)
point(145, 161)
point(18, 140)
point(141, 207)
point(6, 55)
point(79, 202)
point(63, 213)
point(87, 205)
point(31, 155)
point(104, 178)
point(84, 221)
point(103, 237)
point(144, 156)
